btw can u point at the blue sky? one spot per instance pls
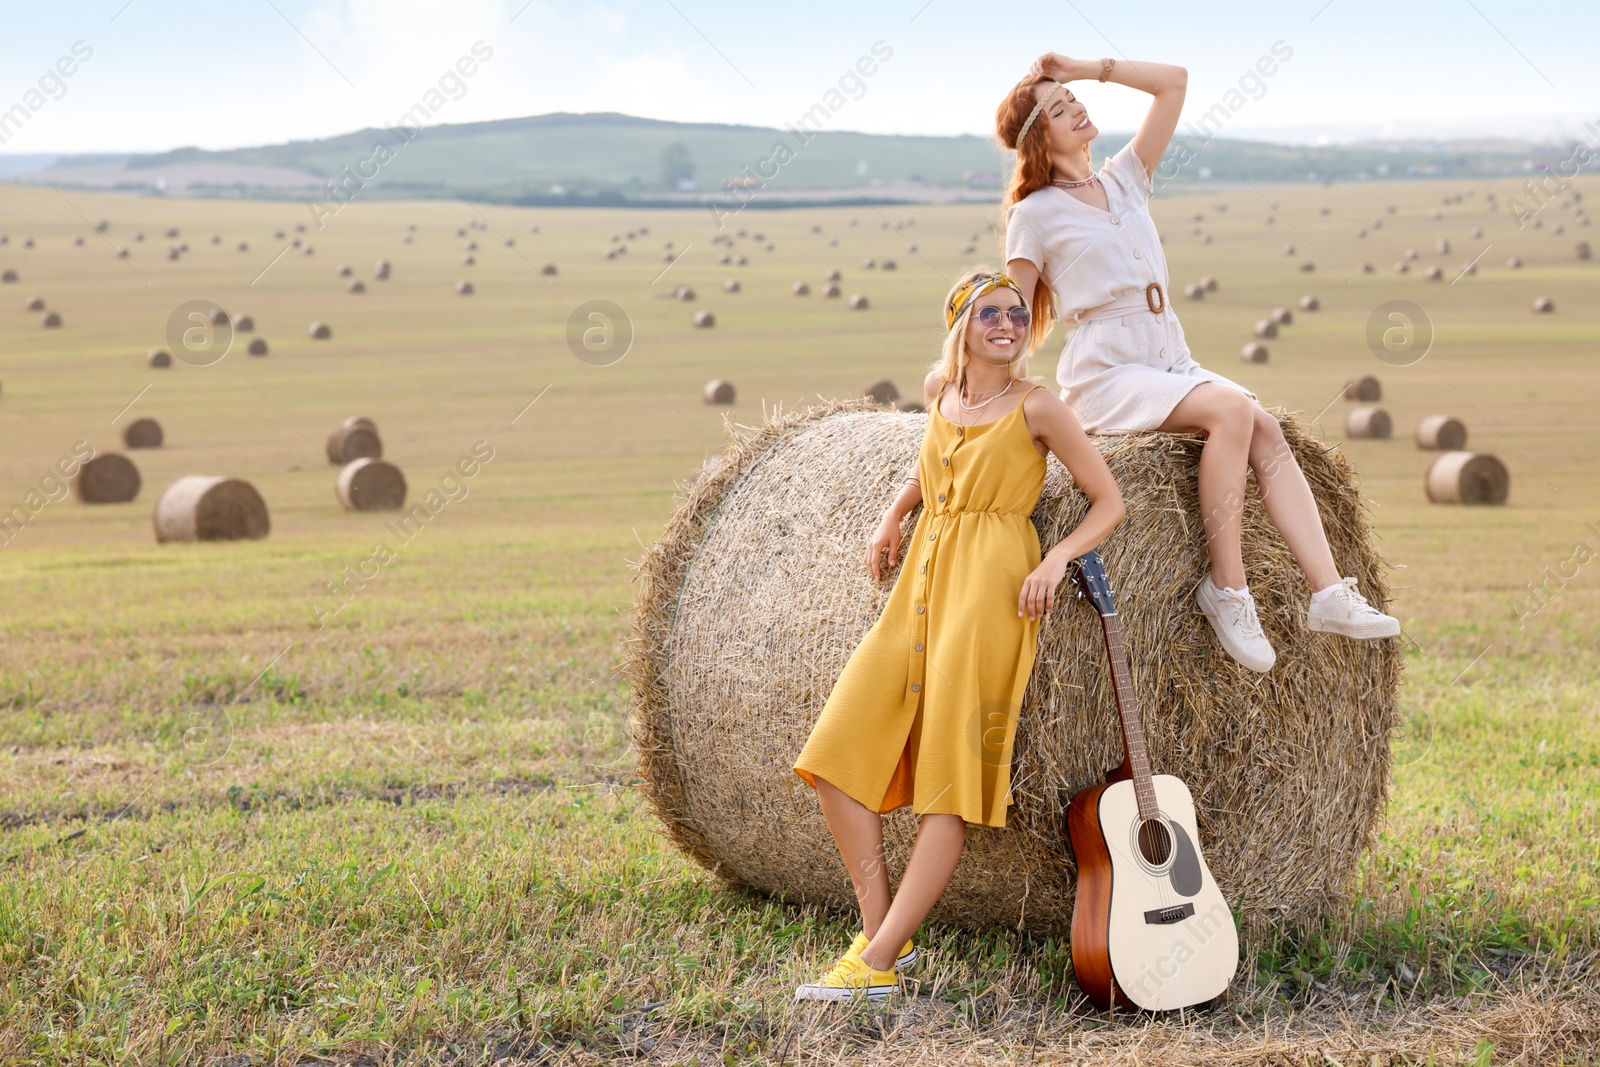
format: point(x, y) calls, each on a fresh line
point(225, 73)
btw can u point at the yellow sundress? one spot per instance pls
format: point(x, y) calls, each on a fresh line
point(926, 708)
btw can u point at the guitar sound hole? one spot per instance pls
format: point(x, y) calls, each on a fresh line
point(1155, 842)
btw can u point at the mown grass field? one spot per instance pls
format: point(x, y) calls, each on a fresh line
point(236, 829)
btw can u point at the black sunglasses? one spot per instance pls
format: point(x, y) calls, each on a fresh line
point(989, 316)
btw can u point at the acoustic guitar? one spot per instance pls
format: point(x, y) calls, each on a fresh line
point(1150, 929)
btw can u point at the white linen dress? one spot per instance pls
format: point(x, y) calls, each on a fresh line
point(1124, 368)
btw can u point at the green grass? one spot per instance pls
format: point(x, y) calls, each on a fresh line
point(227, 830)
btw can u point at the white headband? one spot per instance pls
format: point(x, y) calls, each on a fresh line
point(1026, 126)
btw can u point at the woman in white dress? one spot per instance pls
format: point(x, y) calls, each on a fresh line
point(1081, 245)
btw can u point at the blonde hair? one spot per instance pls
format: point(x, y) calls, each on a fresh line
point(953, 357)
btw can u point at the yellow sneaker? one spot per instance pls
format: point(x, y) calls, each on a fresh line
point(908, 953)
point(849, 979)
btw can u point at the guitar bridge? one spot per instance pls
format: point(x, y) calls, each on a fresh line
point(1163, 916)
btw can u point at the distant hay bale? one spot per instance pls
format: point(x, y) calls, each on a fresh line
point(858, 302)
point(107, 479)
point(730, 285)
point(800, 289)
point(357, 286)
point(464, 288)
point(258, 347)
point(882, 391)
point(1254, 352)
point(704, 319)
point(1467, 478)
point(381, 270)
point(1282, 316)
point(548, 269)
point(158, 358)
point(1433, 273)
point(1288, 250)
point(1583, 250)
point(468, 260)
point(352, 442)
point(319, 331)
point(34, 303)
point(9, 277)
point(1365, 388)
point(1266, 328)
point(684, 293)
point(243, 324)
point(1307, 267)
point(361, 421)
point(832, 276)
point(1514, 263)
point(1369, 422)
point(1194, 291)
point(371, 485)
point(754, 597)
point(869, 263)
point(142, 433)
point(1441, 432)
point(887, 264)
point(1209, 284)
point(345, 271)
point(1541, 304)
point(201, 507)
point(831, 292)
point(1442, 246)
point(718, 391)
point(1309, 303)
point(51, 320)
point(1367, 268)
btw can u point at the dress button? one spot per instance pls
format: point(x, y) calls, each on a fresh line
point(941, 498)
point(1163, 351)
point(961, 431)
point(934, 536)
point(1137, 254)
point(916, 687)
point(947, 461)
point(924, 568)
point(920, 609)
point(1115, 220)
point(919, 646)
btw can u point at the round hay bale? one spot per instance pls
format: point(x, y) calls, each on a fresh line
point(1541, 304)
point(1583, 250)
point(1194, 291)
point(107, 479)
point(1467, 478)
point(1365, 388)
point(158, 358)
point(371, 485)
point(1411, 253)
point(200, 507)
point(1254, 352)
point(1288, 250)
point(319, 331)
point(243, 324)
point(731, 285)
point(882, 391)
point(753, 599)
point(548, 269)
point(1514, 263)
point(360, 420)
point(684, 293)
point(1282, 316)
point(464, 288)
point(1442, 246)
point(832, 276)
point(1367, 268)
point(1266, 328)
point(352, 442)
point(1309, 303)
point(34, 303)
point(142, 433)
point(704, 319)
point(468, 260)
point(9, 277)
point(718, 391)
point(869, 263)
point(1441, 432)
point(887, 264)
point(1476, 231)
point(258, 346)
point(1209, 284)
point(1368, 422)
point(800, 289)
point(1308, 266)
point(1433, 273)
point(831, 292)
point(357, 286)
point(381, 270)
point(858, 302)
point(51, 320)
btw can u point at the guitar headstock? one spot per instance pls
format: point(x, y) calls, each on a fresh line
point(1090, 571)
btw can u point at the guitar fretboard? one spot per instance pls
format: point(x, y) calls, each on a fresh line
point(1132, 725)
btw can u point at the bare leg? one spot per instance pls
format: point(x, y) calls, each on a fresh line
point(933, 860)
point(1224, 416)
point(858, 831)
point(1289, 503)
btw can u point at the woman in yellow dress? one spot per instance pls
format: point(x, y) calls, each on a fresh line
point(926, 709)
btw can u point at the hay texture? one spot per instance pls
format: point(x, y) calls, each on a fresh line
point(371, 485)
point(202, 507)
point(1467, 478)
point(142, 433)
point(750, 604)
point(108, 479)
point(353, 441)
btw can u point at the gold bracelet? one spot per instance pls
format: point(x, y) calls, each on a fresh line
point(1105, 67)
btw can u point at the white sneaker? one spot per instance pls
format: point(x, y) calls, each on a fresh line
point(1345, 611)
point(1237, 625)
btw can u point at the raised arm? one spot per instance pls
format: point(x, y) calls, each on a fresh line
point(1164, 81)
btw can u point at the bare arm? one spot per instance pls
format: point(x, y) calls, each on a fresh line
point(1054, 425)
point(1164, 81)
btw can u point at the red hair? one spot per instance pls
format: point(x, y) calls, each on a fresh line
point(1032, 172)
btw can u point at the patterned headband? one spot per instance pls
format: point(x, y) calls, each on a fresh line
point(1028, 125)
point(964, 296)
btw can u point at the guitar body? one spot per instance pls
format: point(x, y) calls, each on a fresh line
point(1150, 929)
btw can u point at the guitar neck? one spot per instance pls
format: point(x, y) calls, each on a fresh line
point(1136, 761)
